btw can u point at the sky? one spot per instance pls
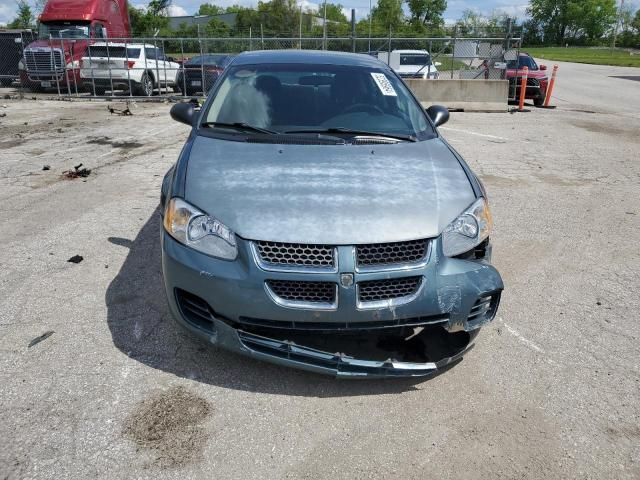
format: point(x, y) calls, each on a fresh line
point(454, 7)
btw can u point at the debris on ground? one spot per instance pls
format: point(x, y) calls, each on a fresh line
point(46, 167)
point(77, 172)
point(39, 339)
point(76, 259)
point(3, 114)
point(117, 111)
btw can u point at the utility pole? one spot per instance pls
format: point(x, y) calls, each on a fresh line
point(300, 30)
point(618, 21)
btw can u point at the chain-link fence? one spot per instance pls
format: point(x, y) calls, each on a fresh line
point(146, 67)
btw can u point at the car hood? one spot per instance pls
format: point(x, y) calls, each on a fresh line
point(330, 194)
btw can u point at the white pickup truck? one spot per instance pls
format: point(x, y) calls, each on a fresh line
point(411, 63)
point(140, 68)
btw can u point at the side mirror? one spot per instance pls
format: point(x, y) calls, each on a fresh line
point(543, 67)
point(184, 113)
point(438, 114)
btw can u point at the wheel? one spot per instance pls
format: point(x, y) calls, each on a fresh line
point(538, 102)
point(145, 88)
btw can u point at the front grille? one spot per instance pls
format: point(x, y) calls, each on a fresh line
point(391, 253)
point(388, 289)
point(302, 291)
point(43, 61)
point(195, 310)
point(485, 308)
point(296, 254)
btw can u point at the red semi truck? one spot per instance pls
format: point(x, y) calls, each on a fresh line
point(65, 29)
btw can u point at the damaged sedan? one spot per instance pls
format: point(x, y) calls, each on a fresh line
point(317, 219)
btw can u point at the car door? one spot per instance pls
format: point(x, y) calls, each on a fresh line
point(170, 68)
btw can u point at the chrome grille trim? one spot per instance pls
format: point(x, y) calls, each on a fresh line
point(392, 255)
point(303, 294)
point(44, 60)
point(385, 293)
point(295, 257)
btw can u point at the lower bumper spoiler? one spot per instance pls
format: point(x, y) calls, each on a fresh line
point(291, 354)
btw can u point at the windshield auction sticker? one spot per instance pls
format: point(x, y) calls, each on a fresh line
point(384, 84)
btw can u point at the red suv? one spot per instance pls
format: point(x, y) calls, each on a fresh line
point(537, 80)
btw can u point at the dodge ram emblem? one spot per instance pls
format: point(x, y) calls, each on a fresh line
point(346, 279)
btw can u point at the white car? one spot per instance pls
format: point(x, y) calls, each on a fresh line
point(411, 63)
point(138, 67)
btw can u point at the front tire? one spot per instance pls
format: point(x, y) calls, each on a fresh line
point(538, 102)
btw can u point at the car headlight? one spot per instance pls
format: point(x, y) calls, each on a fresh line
point(74, 64)
point(197, 230)
point(21, 64)
point(468, 230)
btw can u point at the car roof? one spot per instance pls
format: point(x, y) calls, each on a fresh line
point(308, 57)
point(120, 44)
point(407, 52)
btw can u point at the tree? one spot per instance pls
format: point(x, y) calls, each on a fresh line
point(427, 12)
point(388, 13)
point(24, 19)
point(147, 22)
point(635, 23)
point(581, 20)
point(210, 9)
point(159, 7)
point(335, 13)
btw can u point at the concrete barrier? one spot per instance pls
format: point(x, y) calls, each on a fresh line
point(467, 95)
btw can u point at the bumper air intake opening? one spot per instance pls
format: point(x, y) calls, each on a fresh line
point(195, 310)
point(485, 307)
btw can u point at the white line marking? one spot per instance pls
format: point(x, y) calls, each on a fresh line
point(522, 339)
point(473, 133)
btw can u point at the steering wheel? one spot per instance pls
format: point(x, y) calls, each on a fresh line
point(363, 107)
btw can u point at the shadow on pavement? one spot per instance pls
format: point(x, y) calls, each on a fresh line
point(142, 328)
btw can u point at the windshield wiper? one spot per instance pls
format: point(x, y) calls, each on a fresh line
point(240, 126)
point(408, 138)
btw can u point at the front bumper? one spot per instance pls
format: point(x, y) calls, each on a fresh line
point(240, 315)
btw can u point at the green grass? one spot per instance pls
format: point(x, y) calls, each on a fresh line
point(594, 56)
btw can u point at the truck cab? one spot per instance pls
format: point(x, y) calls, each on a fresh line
point(65, 30)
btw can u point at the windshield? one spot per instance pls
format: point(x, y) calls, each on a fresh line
point(63, 30)
point(218, 60)
point(286, 98)
point(524, 61)
point(415, 60)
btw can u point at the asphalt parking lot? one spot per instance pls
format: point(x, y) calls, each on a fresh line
point(551, 389)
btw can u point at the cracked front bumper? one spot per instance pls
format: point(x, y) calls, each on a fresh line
point(234, 310)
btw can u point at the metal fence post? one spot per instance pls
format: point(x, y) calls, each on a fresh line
point(202, 68)
point(389, 49)
point(126, 54)
point(64, 65)
point(453, 52)
point(184, 69)
point(109, 63)
point(164, 68)
point(353, 30)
